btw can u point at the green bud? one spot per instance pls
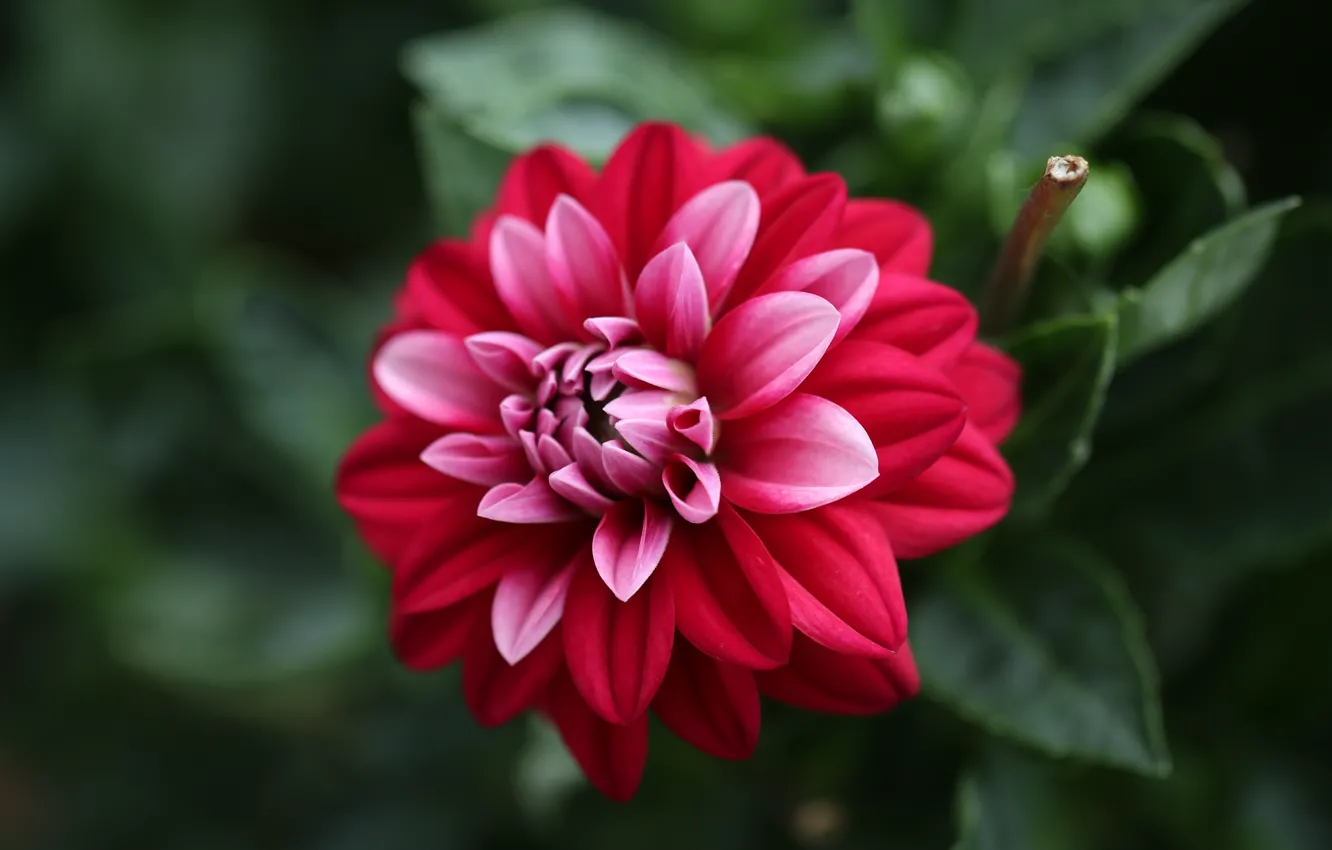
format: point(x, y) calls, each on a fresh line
point(1105, 213)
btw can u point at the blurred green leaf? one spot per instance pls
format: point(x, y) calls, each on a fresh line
point(1041, 643)
point(563, 75)
point(462, 173)
point(1067, 365)
point(1077, 97)
point(1010, 803)
point(991, 36)
point(1199, 283)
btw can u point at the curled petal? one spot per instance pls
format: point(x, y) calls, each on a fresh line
point(517, 413)
point(495, 690)
point(650, 370)
point(800, 454)
point(582, 263)
point(989, 381)
point(694, 422)
point(618, 652)
point(845, 278)
point(643, 404)
point(965, 492)
point(671, 302)
point(761, 351)
point(522, 279)
point(797, 221)
point(530, 503)
point(694, 488)
point(926, 319)
point(712, 705)
point(612, 756)
point(898, 235)
point(651, 438)
point(614, 331)
point(587, 454)
point(718, 225)
point(537, 178)
point(430, 374)
point(484, 460)
point(729, 600)
point(628, 472)
point(571, 483)
point(552, 454)
point(529, 601)
point(819, 679)
point(428, 640)
point(505, 357)
point(629, 544)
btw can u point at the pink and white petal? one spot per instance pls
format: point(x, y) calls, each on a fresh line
point(486, 460)
point(990, 382)
point(797, 221)
point(587, 454)
point(803, 453)
point(718, 225)
point(516, 413)
point(506, 357)
point(571, 483)
point(761, 351)
point(646, 369)
point(651, 438)
point(430, 374)
point(671, 303)
point(527, 504)
point(644, 404)
point(528, 603)
point(614, 331)
point(845, 278)
point(694, 488)
point(628, 472)
point(629, 543)
point(583, 265)
point(553, 455)
point(930, 320)
point(522, 279)
point(897, 234)
point(694, 422)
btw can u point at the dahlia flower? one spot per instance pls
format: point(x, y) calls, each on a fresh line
point(654, 439)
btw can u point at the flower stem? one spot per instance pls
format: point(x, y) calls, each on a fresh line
point(1050, 197)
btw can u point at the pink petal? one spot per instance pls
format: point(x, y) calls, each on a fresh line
point(495, 690)
point(432, 639)
point(649, 369)
point(484, 460)
point(448, 284)
point(612, 756)
point(797, 221)
point(897, 235)
point(820, 679)
point(430, 375)
point(553, 455)
point(505, 357)
point(528, 440)
point(629, 473)
point(694, 488)
point(572, 484)
point(614, 330)
point(535, 179)
point(711, 705)
point(845, 278)
point(761, 351)
point(516, 412)
point(651, 438)
point(522, 279)
point(529, 503)
point(800, 454)
point(929, 320)
point(588, 455)
point(671, 303)
point(718, 225)
point(644, 404)
point(766, 164)
point(582, 263)
point(629, 544)
point(989, 381)
point(528, 603)
point(694, 422)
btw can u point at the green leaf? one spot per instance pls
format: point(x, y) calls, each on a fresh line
point(1067, 364)
point(991, 36)
point(563, 75)
point(1009, 802)
point(1199, 283)
point(462, 173)
point(1076, 98)
point(1041, 643)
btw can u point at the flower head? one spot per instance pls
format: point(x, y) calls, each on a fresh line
point(654, 439)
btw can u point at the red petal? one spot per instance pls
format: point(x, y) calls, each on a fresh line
point(796, 222)
point(818, 679)
point(911, 413)
point(967, 491)
point(389, 492)
point(497, 692)
point(729, 600)
point(766, 164)
point(711, 705)
point(433, 639)
point(449, 287)
point(990, 382)
point(927, 319)
point(617, 651)
point(535, 179)
point(654, 170)
point(612, 756)
point(897, 234)
point(840, 577)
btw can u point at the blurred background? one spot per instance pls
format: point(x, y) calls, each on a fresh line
point(204, 208)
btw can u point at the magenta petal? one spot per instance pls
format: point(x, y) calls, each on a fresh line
point(802, 453)
point(671, 303)
point(484, 460)
point(643, 404)
point(522, 280)
point(516, 413)
point(614, 330)
point(846, 278)
point(718, 224)
point(582, 263)
point(694, 422)
point(506, 357)
point(694, 488)
point(552, 454)
point(588, 455)
point(572, 484)
point(626, 470)
point(651, 438)
point(529, 601)
point(529, 503)
point(761, 351)
point(649, 369)
point(429, 374)
point(629, 543)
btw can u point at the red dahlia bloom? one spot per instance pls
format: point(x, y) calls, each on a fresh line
point(654, 438)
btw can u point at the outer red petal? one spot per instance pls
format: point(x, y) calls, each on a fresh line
point(711, 705)
point(911, 412)
point(967, 491)
point(932, 321)
point(655, 169)
point(449, 287)
point(896, 234)
point(818, 679)
point(840, 577)
point(536, 178)
point(729, 600)
point(764, 163)
point(796, 221)
point(434, 639)
point(497, 692)
point(389, 492)
point(612, 756)
point(990, 382)
point(618, 651)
